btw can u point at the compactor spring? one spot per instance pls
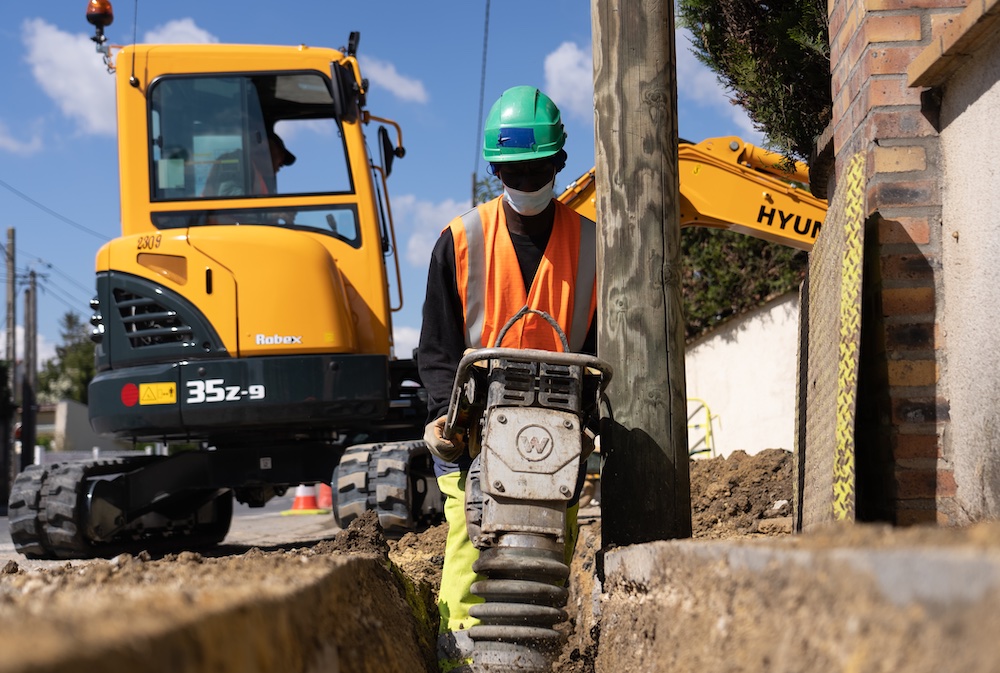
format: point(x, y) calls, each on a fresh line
point(524, 597)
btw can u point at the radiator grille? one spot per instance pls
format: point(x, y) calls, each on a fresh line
point(148, 323)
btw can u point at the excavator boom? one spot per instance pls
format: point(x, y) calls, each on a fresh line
point(727, 183)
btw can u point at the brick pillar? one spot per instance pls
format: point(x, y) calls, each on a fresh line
point(874, 111)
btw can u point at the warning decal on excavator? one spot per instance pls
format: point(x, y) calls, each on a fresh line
point(157, 393)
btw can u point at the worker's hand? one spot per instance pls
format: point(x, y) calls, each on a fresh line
point(447, 450)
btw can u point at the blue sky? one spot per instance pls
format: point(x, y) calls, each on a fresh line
point(58, 154)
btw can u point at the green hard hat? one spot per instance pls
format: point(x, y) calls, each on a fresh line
point(523, 124)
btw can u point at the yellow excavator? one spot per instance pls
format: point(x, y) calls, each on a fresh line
point(245, 312)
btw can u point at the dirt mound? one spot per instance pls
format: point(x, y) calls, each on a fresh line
point(731, 496)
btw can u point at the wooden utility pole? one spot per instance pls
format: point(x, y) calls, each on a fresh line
point(11, 311)
point(645, 483)
point(29, 377)
point(7, 463)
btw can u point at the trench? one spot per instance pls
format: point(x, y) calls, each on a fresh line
point(301, 612)
point(351, 603)
point(748, 598)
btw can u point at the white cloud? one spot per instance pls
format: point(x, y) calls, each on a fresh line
point(569, 80)
point(425, 221)
point(72, 74)
point(69, 70)
point(404, 340)
point(17, 145)
point(179, 31)
point(384, 74)
point(46, 349)
point(699, 85)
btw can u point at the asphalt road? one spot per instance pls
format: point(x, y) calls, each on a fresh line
point(265, 527)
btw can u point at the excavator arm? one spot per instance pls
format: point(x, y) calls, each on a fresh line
point(727, 183)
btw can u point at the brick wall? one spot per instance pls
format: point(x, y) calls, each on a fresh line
point(876, 112)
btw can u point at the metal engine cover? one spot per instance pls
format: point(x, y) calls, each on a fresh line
point(530, 453)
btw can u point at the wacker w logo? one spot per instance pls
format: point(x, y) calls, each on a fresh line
point(534, 443)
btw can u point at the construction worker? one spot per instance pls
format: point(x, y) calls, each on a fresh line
point(521, 248)
point(227, 179)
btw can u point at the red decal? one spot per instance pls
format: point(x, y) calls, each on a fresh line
point(130, 394)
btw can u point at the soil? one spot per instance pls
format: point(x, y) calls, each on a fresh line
point(742, 495)
point(54, 609)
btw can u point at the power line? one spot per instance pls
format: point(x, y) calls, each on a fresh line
point(51, 212)
point(64, 291)
point(21, 279)
point(49, 267)
point(65, 300)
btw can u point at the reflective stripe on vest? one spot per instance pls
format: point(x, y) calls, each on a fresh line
point(487, 305)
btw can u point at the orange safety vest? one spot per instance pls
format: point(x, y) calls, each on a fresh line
point(491, 290)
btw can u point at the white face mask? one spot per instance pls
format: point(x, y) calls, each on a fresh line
point(529, 203)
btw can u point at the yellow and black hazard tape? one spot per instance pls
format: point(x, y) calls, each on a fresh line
point(850, 336)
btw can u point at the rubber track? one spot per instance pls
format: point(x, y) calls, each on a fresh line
point(24, 512)
point(351, 479)
point(393, 489)
point(64, 502)
point(63, 498)
point(377, 477)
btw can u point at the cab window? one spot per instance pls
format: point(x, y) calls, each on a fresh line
point(213, 138)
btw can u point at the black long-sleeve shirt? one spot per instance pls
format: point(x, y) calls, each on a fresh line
point(442, 334)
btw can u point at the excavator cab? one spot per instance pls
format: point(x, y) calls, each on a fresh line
point(252, 249)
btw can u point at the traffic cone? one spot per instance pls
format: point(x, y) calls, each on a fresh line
point(324, 497)
point(305, 502)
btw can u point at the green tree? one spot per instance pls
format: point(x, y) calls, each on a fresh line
point(486, 188)
point(67, 375)
point(775, 58)
point(724, 274)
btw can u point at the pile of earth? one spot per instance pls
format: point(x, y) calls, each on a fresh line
point(742, 495)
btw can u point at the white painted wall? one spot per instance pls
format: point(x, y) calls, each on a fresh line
point(72, 431)
point(744, 371)
point(970, 373)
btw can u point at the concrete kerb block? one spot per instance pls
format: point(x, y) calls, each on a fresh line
point(796, 605)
